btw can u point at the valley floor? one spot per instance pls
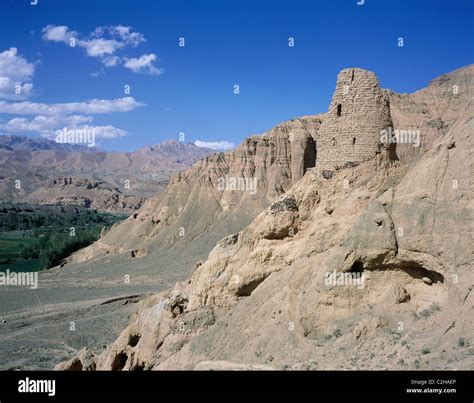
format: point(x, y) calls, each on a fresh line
point(76, 305)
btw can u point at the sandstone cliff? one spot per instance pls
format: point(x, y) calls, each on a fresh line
point(433, 110)
point(220, 194)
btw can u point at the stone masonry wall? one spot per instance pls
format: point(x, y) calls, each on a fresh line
point(351, 130)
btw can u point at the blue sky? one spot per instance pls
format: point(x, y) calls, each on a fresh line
point(190, 89)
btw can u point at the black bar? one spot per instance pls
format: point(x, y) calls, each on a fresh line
point(317, 386)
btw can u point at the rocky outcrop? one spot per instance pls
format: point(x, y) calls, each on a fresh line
point(84, 192)
point(84, 360)
point(428, 114)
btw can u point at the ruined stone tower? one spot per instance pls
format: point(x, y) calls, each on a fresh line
point(351, 130)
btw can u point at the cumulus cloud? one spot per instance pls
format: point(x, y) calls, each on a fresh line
point(101, 47)
point(103, 43)
point(39, 124)
point(96, 46)
point(143, 64)
point(58, 33)
point(46, 119)
point(15, 75)
point(126, 34)
point(215, 145)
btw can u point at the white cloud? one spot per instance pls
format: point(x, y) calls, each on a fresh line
point(71, 116)
point(105, 132)
point(126, 34)
point(14, 66)
point(47, 119)
point(75, 120)
point(215, 145)
point(95, 47)
point(58, 33)
point(94, 106)
point(38, 124)
point(100, 47)
point(143, 64)
point(97, 73)
point(103, 43)
point(48, 126)
point(15, 75)
point(111, 61)
point(44, 124)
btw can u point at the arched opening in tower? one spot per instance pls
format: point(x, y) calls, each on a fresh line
point(339, 109)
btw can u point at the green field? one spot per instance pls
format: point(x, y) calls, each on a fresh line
point(11, 244)
point(36, 237)
point(22, 265)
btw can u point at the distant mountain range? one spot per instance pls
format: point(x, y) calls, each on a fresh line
point(47, 172)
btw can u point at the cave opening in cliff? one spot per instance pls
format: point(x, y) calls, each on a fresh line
point(133, 340)
point(357, 267)
point(247, 289)
point(339, 109)
point(119, 362)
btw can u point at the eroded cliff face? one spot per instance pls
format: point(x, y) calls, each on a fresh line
point(369, 268)
point(432, 111)
point(220, 194)
point(89, 193)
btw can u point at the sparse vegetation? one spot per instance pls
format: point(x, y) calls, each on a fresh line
point(461, 342)
point(269, 359)
point(425, 350)
point(425, 313)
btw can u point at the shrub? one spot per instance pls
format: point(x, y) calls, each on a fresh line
point(337, 333)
